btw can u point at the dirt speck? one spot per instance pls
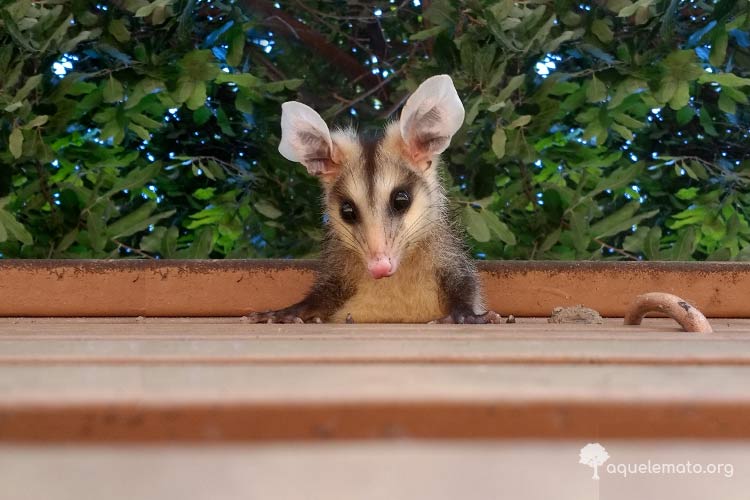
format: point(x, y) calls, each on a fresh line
point(684, 305)
point(575, 314)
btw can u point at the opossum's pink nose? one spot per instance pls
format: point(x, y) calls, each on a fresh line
point(381, 267)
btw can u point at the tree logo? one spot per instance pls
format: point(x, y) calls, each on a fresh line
point(594, 455)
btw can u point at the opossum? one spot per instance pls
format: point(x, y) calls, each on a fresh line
point(391, 254)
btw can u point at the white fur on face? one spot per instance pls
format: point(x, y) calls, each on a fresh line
point(379, 231)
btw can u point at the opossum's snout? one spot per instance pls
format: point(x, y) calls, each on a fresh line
point(381, 257)
point(382, 266)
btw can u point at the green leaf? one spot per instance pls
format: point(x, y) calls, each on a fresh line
point(498, 142)
point(200, 65)
point(652, 244)
point(620, 220)
point(550, 240)
point(602, 30)
point(37, 121)
point(596, 91)
point(144, 121)
point(519, 122)
point(264, 207)
point(205, 193)
point(685, 115)
point(724, 79)
point(707, 122)
point(579, 232)
point(681, 96)
point(118, 30)
point(3, 233)
point(96, 228)
point(633, 8)
point(688, 217)
point(624, 132)
point(137, 220)
point(476, 225)
point(735, 95)
point(513, 84)
point(499, 228)
point(201, 115)
point(727, 104)
point(425, 34)
point(15, 228)
point(236, 48)
point(140, 131)
point(719, 47)
point(202, 245)
point(666, 90)
point(31, 84)
point(135, 179)
point(685, 245)
point(687, 193)
point(240, 79)
point(15, 143)
point(627, 120)
point(198, 97)
point(113, 91)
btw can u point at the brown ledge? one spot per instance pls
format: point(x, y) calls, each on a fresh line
point(236, 287)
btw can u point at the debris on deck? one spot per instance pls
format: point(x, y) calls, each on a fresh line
point(575, 314)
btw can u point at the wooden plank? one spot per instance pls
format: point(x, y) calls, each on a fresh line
point(391, 470)
point(529, 341)
point(127, 380)
point(233, 288)
point(146, 402)
point(236, 328)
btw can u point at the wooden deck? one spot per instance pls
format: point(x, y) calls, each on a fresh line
point(225, 380)
point(213, 407)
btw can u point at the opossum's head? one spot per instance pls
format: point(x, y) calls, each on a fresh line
point(382, 194)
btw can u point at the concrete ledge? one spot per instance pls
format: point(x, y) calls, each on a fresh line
point(236, 287)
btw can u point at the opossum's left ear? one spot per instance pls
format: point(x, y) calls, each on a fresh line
point(429, 119)
point(305, 138)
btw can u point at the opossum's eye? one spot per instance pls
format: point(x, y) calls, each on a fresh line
point(400, 201)
point(348, 212)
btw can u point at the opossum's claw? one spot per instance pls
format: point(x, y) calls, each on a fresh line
point(271, 317)
point(472, 319)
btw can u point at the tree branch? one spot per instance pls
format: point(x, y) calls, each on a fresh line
point(287, 25)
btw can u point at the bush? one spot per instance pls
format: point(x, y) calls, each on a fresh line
point(597, 130)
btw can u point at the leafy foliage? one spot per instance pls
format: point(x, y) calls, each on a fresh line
point(610, 129)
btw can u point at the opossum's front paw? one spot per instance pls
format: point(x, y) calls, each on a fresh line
point(282, 316)
point(472, 319)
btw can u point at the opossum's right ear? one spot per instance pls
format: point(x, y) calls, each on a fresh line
point(305, 138)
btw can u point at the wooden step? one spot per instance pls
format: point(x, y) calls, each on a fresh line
point(222, 380)
point(370, 470)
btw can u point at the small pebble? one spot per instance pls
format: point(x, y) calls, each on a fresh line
point(511, 319)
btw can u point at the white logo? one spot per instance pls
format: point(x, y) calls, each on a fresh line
point(594, 455)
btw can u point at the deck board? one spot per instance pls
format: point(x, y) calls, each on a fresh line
point(223, 380)
point(390, 470)
point(232, 342)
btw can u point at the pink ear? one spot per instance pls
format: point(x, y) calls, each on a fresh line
point(305, 138)
point(430, 118)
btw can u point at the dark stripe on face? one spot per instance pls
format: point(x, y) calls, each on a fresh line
point(411, 179)
point(370, 145)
